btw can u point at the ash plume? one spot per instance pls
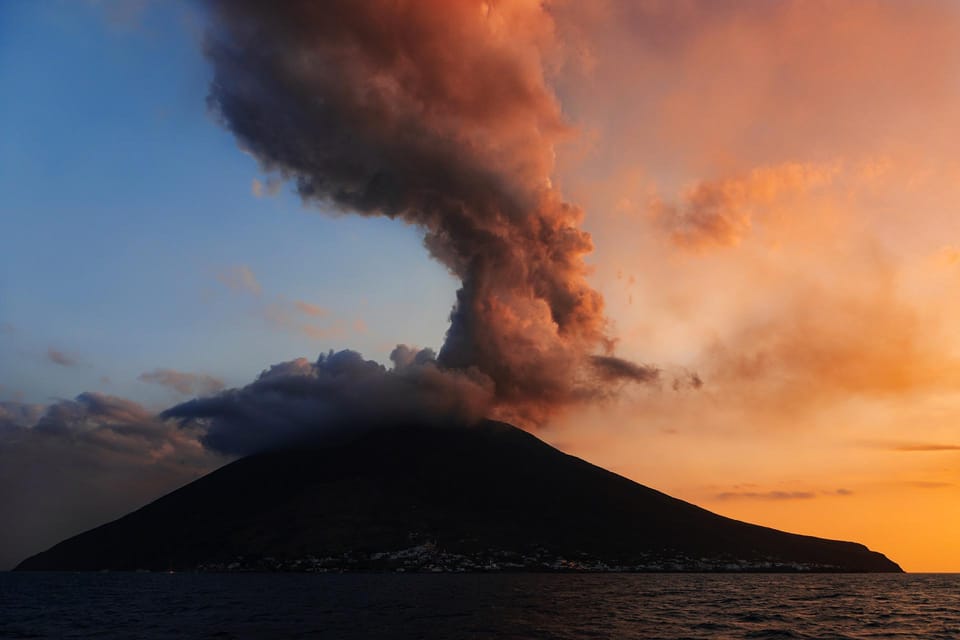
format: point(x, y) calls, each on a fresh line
point(438, 114)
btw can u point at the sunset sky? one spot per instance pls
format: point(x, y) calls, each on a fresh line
point(772, 191)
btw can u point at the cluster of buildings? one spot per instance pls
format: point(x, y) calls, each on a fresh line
point(428, 558)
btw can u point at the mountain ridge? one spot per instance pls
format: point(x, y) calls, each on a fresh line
point(413, 497)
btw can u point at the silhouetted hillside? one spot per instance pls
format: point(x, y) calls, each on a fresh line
point(424, 498)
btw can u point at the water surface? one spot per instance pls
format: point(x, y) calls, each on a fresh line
point(460, 606)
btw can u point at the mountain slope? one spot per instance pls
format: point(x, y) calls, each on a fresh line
point(492, 496)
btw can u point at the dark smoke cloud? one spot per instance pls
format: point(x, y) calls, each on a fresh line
point(437, 114)
point(613, 368)
point(18, 414)
point(295, 401)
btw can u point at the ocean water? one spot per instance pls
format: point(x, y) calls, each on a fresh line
point(119, 605)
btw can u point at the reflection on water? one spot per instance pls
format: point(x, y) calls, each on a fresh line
point(70, 605)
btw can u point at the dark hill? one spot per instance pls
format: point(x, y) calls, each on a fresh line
point(490, 497)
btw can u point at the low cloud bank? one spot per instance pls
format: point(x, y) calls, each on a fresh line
point(296, 401)
point(75, 464)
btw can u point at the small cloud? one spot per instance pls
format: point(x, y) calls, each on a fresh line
point(240, 278)
point(183, 383)
point(7, 328)
point(259, 188)
point(689, 380)
point(766, 495)
point(922, 446)
point(927, 484)
point(61, 358)
point(311, 309)
point(873, 169)
point(287, 316)
point(948, 256)
point(744, 492)
point(324, 323)
point(323, 333)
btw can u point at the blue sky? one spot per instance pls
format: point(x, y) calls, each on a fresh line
point(128, 211)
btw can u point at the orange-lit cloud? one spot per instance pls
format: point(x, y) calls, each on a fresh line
point(949, 256)
point(268, 187)
point(311, 309)
point(720, 213)
point(462, 145)
point(240, 278)
point(310, 320)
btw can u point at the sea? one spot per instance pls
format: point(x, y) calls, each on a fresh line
point(455, 606)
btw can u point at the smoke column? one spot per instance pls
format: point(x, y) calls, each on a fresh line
point(438, 114)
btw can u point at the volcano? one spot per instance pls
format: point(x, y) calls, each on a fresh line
point(419, 498)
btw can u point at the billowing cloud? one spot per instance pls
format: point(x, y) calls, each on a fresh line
point(721, 213)
point(297, 401)
point(182, 382)
point(62, 358)
point(77, 463)
point(240, 278)
point(440, 115)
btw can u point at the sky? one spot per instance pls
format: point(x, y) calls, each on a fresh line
point(771, 190)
